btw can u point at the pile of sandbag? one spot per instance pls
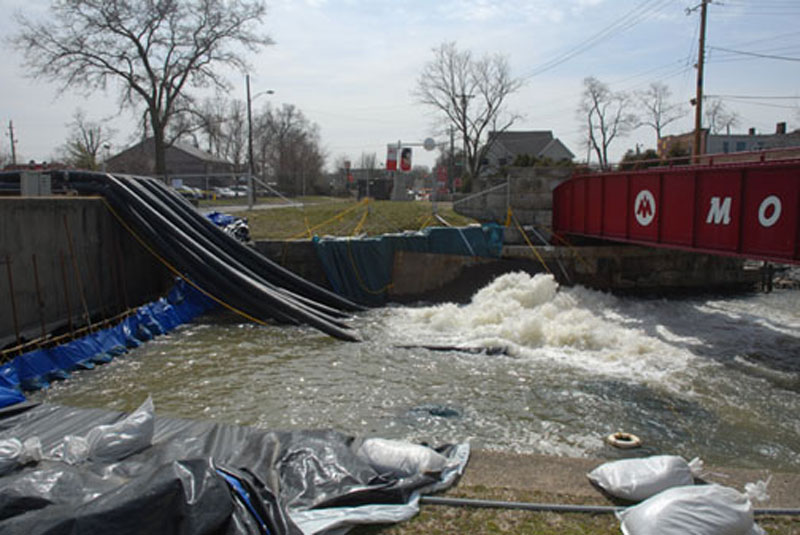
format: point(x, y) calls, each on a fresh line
point(670, 503)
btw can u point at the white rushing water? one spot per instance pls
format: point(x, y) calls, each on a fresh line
point(526, 366)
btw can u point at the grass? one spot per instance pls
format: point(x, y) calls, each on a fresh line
point(441, 520)
point(337, 217)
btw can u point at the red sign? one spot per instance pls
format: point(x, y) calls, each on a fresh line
point(391, 158)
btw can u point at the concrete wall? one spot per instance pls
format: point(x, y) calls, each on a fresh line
point(621, 269)
point(531, 197)
point(113, 270)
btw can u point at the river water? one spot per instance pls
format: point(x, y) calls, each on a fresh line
point(541, 369)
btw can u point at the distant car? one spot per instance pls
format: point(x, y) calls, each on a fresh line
point(224, 193)
point(189, 192)
point(239, 190)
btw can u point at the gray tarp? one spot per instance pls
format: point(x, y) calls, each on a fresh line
point(202, 477)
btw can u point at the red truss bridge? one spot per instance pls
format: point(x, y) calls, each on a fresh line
point(739, 209)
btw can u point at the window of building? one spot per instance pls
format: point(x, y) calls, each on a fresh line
point(726, 148)
point(741, 146)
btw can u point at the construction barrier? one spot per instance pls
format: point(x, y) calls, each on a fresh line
point(36, 369)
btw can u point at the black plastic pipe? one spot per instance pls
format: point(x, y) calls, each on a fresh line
point(253, 297)
point(565, 508)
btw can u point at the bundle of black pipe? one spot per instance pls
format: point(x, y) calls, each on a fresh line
point(231, 272)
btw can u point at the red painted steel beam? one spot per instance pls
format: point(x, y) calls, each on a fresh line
point(749, 210)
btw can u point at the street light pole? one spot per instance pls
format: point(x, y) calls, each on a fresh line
point(251, 166)
point(250, 192)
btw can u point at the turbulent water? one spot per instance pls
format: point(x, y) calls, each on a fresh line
point(526, 366)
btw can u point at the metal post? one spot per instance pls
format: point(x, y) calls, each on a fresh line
point(87, 316)
point(250, 195)
point(13, 142)
point(39, 301)
point(13, 300)
point(66, 291)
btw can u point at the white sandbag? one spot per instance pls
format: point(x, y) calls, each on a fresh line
point(402, 458)
point(638, 479)
point(14, 453)
point(695, 510)
point(116, 441)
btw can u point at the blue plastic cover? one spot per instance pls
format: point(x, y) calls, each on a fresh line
point(10, 396)
point(37, 369)
point(220, 219)
point(361, 269)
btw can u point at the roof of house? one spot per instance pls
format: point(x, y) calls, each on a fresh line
point(183, 147)
point(531, 142)
point(198, 153)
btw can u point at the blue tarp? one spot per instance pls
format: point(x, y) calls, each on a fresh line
point(37, 369)
point(221, 219)
point(361, 269)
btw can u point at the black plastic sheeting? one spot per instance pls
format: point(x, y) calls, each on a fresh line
point(232, 272)
point(196, 478)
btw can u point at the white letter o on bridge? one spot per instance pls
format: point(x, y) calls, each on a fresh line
point(773, 201)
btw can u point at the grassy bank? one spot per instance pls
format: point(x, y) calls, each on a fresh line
point(336, 217)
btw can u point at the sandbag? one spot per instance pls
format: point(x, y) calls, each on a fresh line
point(695, 510)
point(131, 435)
point(638, 479)
point(400, 458)
point(111, 442)
point(15, 453)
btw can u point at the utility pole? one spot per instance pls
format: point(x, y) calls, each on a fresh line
point(13, 143)
point(698, 109)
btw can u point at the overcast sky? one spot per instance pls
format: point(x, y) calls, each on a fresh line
point(351, 66)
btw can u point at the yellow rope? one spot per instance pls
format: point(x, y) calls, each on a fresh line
point(175, 270)
point(426, 221)
point(337, 217)
point(571, 247)
point(361, 222)
point(533, 248)
point(361, 282)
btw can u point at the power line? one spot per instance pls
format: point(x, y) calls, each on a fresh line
point(753, 54)
point(630, 19)
point(754, 97)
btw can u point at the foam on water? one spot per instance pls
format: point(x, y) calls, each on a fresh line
point(535, 320)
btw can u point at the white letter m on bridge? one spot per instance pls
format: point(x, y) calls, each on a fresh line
point(719, 212)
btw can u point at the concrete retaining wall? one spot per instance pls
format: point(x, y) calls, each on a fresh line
point(114, 271)
point(621, 269)
point(531, 197)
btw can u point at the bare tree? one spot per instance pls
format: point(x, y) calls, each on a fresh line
point(719, 118)
point(86, 139)
point(154, 49)
point(606, 115)
point(288, 148)
point(369, 162)
point(658, 112)
point(470, 94)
